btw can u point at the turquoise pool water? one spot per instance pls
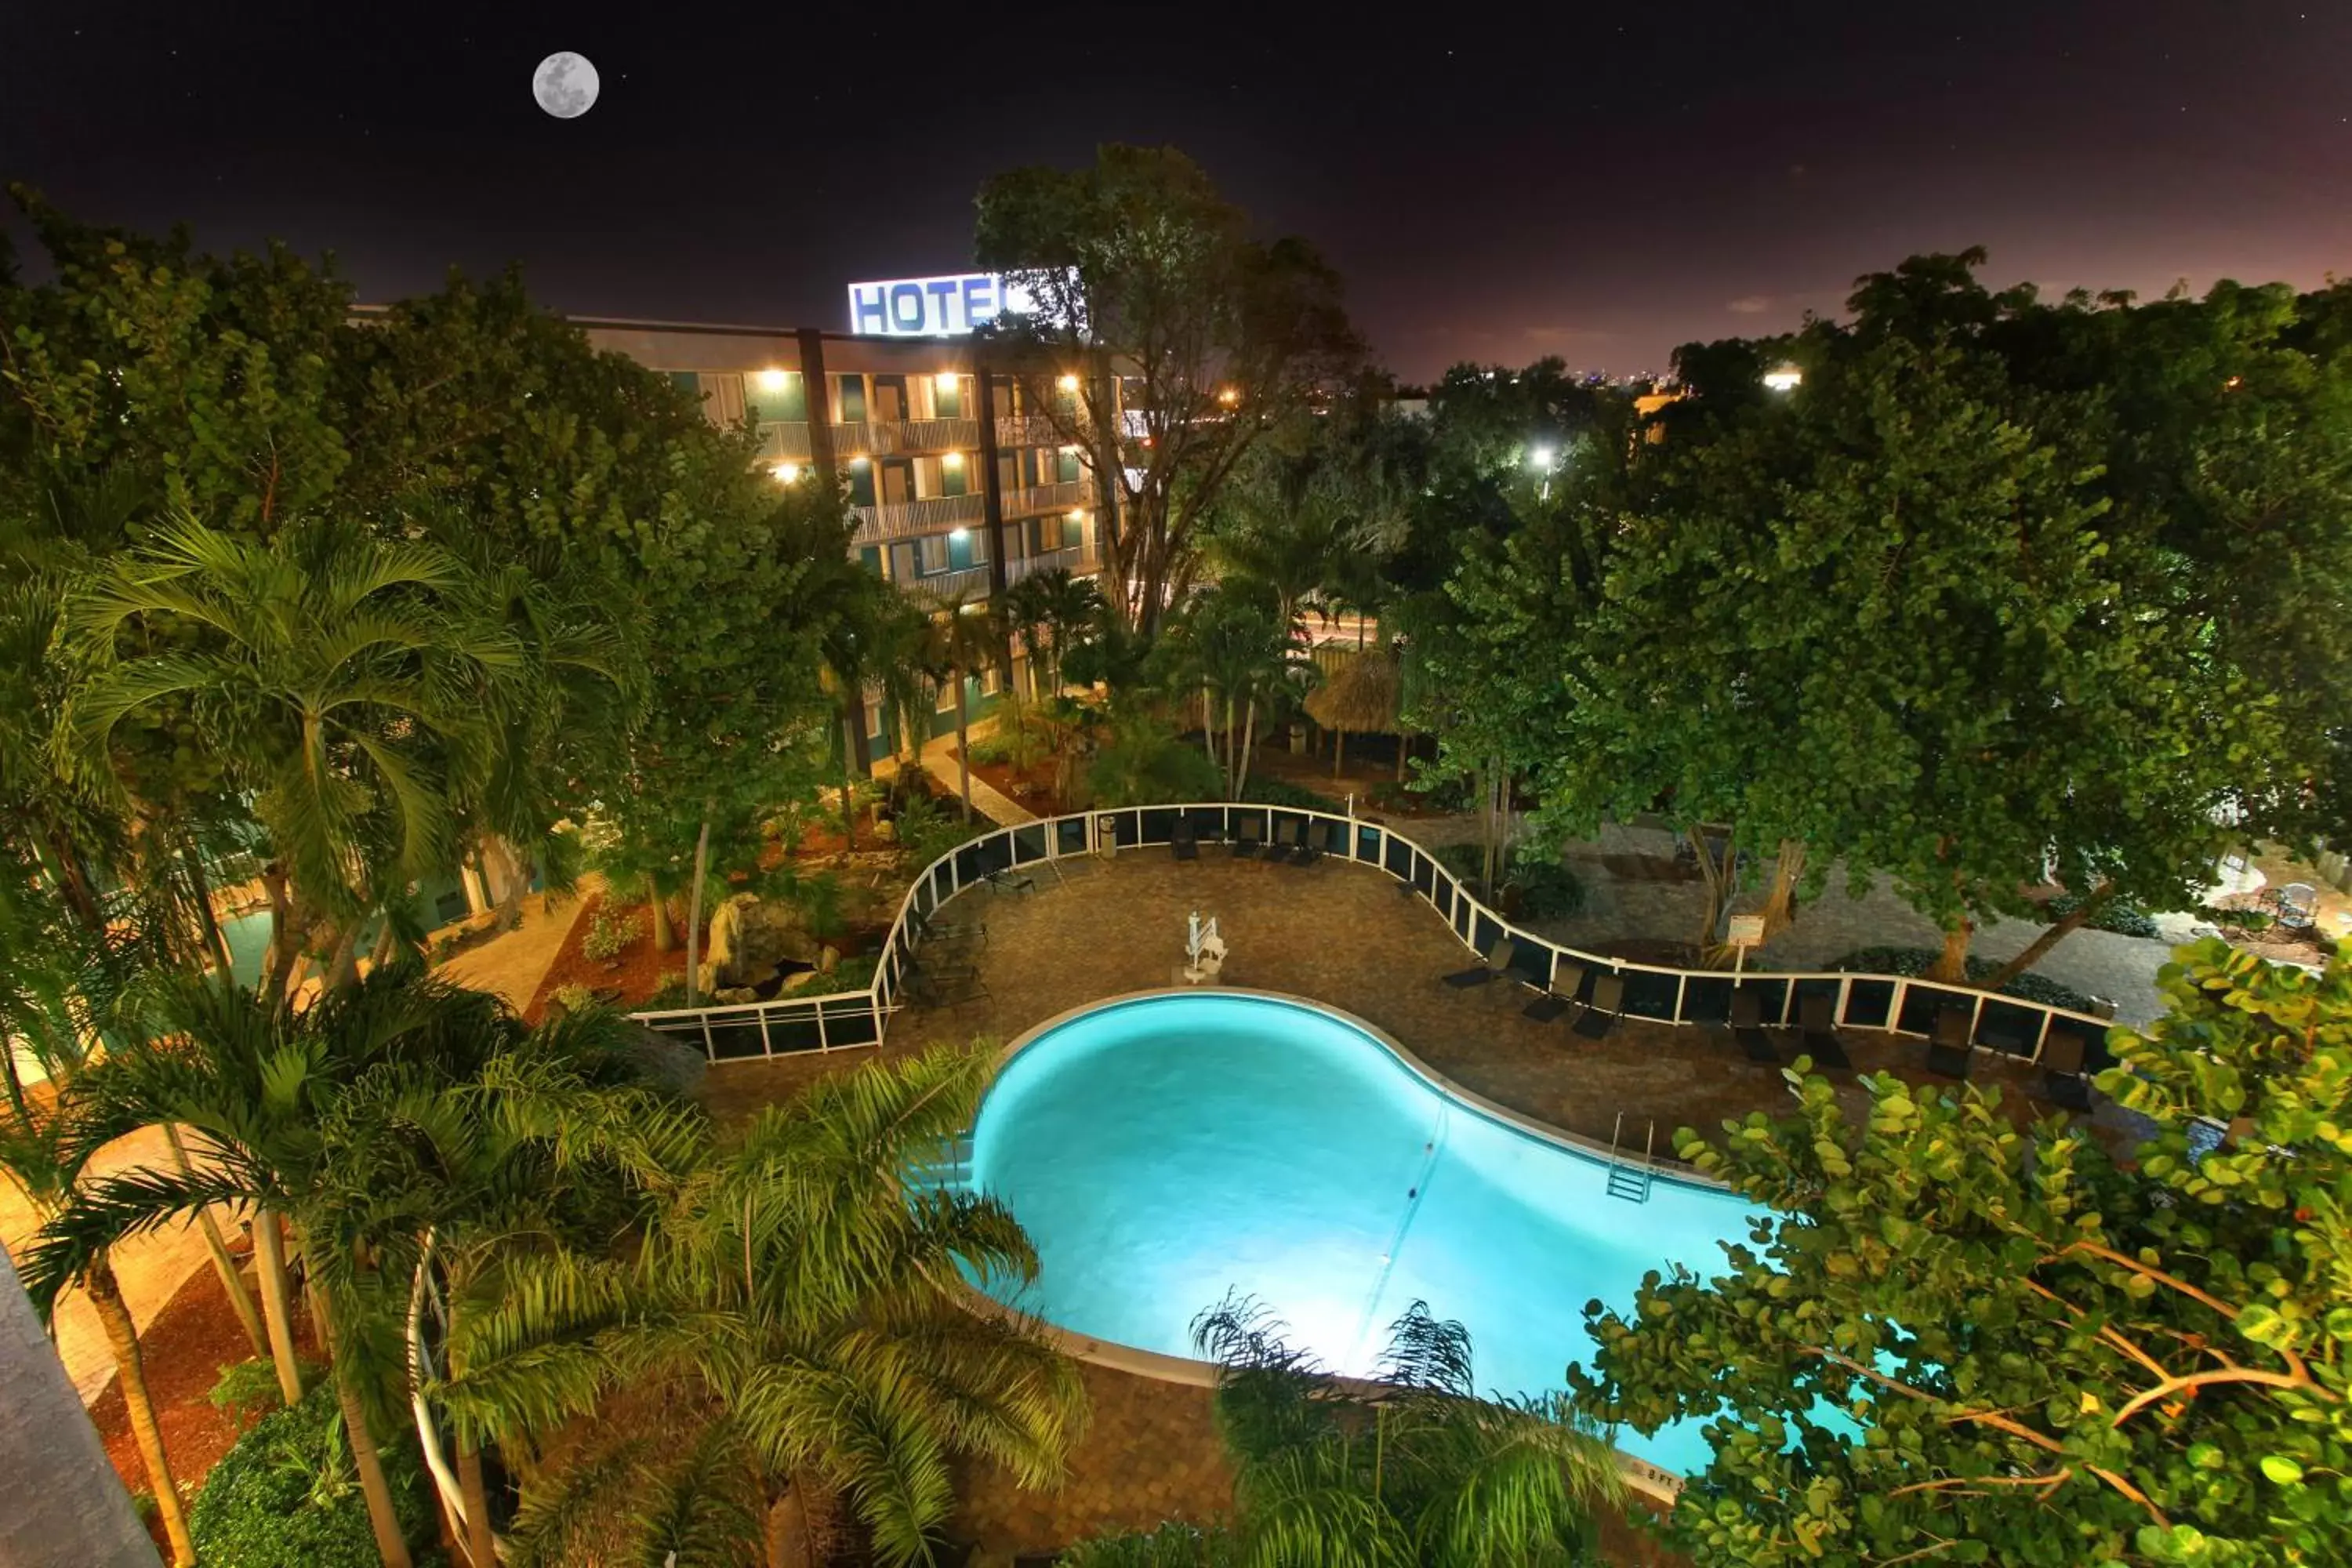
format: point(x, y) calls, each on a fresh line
point(1165, 1150)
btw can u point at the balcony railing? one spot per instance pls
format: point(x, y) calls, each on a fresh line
point(1077, 560)
point(1027, 430)
point(903, 519)
point(1060, 496)
point(786, 440)
point(853, 439)
point(971, 583)
point(893, 436)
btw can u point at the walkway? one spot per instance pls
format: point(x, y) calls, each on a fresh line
point(948, 769)
point(512, 964)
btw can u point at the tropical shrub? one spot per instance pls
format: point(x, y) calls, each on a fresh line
point(926, 831)
point(1259, 790)
point(1915, 960)
point(573, 998)
point(1144, 763)
point(250, 1388)
point(286, 1496)
point(850, 975)
point(609, 935)
point(2123, 919)
point(1546, 890)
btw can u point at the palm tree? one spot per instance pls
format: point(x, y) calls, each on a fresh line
point(1050, 611)
point(1236, 646)
point(1417, 1469)
point(338, 678)
point(791, 1322)
point(60, 991)
point(257, 1084)
point(963, 640)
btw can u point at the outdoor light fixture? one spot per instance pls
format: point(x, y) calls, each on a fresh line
point(1068, 383)
point(952, 460)
point(1077, 514)
point(945, 380)
point(771, 381)
point(960, 534)
point(1784, 379)
point(860, 462)
point(1540, 457)
point(1228, 397)
point(787, 472)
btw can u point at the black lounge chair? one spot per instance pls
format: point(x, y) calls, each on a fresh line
point(930, 929)
point(1567, 980)
point(1182, 842)
point(2061, 1063)
point(1248, 839)
point(1498, 958)
point(1818, 1015)
point(1748, 1027)
point(1947, 1049)
point(1208, 827)
point(1531, 966)
point(1303, 851)
point(1600, 1013)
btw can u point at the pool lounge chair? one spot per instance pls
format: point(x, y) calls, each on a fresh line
point(1498, 958)
point(1567, 980)
point(1600, 1013)
point(1531, 966)
point(930, 929)
point(1748, 1027)
point(1949, 1051)
point(1818, 1016)
point(1302, 850)
point(1248, 839)
point(2061, 1064)
point(1182, 843)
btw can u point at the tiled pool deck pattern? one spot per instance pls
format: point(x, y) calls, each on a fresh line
point(1335, 933)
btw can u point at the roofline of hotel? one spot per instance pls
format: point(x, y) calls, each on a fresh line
point(719, 329)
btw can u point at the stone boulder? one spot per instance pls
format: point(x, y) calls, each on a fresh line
point(751, 936)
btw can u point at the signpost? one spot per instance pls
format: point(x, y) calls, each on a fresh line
point(1747, 931)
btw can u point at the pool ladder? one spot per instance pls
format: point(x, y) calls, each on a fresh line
point(1626, 1179)
point(948, 1168)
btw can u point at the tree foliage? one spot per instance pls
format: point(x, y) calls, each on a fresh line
point(1956, 1338)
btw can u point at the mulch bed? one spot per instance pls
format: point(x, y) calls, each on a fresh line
point(184, 1350)
point(1032, 786)
point(635, 973)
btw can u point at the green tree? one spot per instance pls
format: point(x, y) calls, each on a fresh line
point(1415, 1469)
point(963, 640)
point(799, 1320)
point(1233, 644)
point(1957, 1340)
point(1142, 276)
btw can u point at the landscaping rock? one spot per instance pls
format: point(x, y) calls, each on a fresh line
point(751, 936)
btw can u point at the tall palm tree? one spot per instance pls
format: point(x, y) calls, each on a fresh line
point(791, 1323)
point(1235, 645)
point(255, 1083)
point(339, 678)
point(1416, 1469)
point(963, 640)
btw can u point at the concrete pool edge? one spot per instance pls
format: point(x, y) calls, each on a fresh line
point(1653, 1481)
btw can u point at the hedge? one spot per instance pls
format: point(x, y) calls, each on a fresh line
point(286, 1496)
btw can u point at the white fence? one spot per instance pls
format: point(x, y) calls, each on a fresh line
point(1655, 992)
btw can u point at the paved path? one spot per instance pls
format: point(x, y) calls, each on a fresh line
point(514, 963)
point(940, 761)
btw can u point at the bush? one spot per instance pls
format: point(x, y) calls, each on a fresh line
point(926, 830)
point(2244, 919)
point(250, 1389)
point(849, 974)
point(669, 992)
point(609, 935)
point(1282, 792)
point(1146, 763)
point(1547, 890)
point(1917, 961)
point(574, 999)
point(993, 751)
point(286, 1496)
point(1466, 861)
point(2123, 919)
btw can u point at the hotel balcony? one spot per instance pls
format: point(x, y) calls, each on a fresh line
point(1060, 497)
point(1078, 561)
point(782, 441)
point(1027, 430)
point(892, 437)
point(971, 584)
point(907, 519)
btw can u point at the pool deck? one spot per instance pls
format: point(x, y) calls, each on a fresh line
point(1335, 933)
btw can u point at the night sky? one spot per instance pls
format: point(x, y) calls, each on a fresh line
point(1597, 182)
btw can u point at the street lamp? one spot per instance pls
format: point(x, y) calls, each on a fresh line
point(1543, 460)
point(1786, 378)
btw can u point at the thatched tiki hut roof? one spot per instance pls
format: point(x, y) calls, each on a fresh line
point(1360, 696)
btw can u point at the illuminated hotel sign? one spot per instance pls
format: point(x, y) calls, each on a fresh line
point(931, 307)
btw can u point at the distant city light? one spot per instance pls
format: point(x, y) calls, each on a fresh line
point(1787, 378)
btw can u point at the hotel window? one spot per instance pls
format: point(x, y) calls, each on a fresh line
point(776, 396)
point(947, 397)
point(1049, 533)
point(992, 681)
point(849, 399)
point(1066, 464)
point(1008, 472)
point(861, 481)
point(932, 553)
point(955, 471)
point(686, 381)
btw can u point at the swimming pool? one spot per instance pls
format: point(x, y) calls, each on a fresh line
point(1165, 1148)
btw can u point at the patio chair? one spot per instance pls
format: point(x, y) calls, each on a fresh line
point(1008, 879)
point(1208, 827)
point(1303, 851)
point(1531, 966)
point(1600, 1013)
point(944, 985)
point(1249, 837)
point(1498, 958)
point(2062, 1076)
point(2298, 906)
point(1748, 1027)
point(1817, 1017)
point(1182, 843)
point(1567, 980)
point(1949, 1051)
point(930, 929)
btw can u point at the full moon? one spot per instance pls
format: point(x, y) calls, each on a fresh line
point(565, 85)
